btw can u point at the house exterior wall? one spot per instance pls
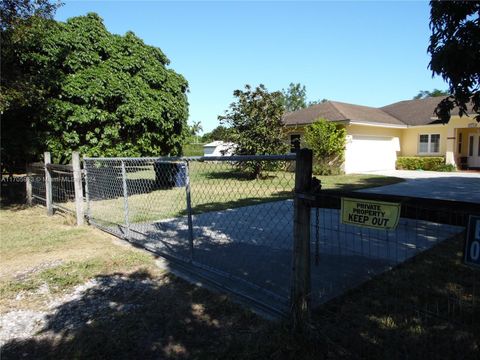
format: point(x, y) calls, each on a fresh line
point(409, 141)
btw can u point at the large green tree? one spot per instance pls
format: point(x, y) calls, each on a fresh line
point(101, 94)
point(455, 53)
point(23, 84)
point(256, 123)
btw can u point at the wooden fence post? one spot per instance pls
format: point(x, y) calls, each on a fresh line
point(77, 182)
point(28, 186)
point(48, 183)
point(301, 284)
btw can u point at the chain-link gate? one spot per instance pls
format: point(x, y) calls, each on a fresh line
point(228, 216)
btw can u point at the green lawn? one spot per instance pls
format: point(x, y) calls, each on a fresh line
point(214, 187)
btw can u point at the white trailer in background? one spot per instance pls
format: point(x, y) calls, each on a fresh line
point(218, 148)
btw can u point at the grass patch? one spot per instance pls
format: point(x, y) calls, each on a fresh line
point(39, 250)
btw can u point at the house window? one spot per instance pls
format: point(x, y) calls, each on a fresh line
point(460, 139)
point(294, 143)
point(470, 145)
point(429, 144)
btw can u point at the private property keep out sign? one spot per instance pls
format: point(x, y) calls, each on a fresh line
point(371, 214)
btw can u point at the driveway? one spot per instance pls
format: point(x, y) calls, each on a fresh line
point(458, 186)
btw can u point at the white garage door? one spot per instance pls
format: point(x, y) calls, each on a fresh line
point(370, 153)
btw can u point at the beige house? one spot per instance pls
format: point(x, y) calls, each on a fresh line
point(377, 136)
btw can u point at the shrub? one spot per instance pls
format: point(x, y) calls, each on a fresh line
point(432, 163)
point(447, 168)
point(327, 142)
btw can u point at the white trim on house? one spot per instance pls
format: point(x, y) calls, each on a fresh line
point(383, 125)
point(426, 126)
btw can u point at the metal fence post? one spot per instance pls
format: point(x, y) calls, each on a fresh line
point(28, 186)
point(87, 193)
point(48, 183)
point(301, 284)
point(77, 183)
point(189, 208)
point(125, 195)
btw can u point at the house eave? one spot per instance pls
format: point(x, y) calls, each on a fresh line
point(383, 125)
point(296, 125)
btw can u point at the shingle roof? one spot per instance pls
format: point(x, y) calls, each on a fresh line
point(408, 112)
point(365, 113)
point(416, 112)
point(311, 113)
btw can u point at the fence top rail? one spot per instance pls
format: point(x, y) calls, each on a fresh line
point(285, 157)
point(58, 167)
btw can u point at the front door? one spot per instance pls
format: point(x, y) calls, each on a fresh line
point(474, 151)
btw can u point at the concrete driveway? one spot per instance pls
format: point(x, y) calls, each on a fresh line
point(458, 186)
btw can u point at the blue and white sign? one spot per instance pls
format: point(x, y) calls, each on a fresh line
point(472, 243)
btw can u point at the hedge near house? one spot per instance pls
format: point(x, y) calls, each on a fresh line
point(327, 142)
point(430, 163)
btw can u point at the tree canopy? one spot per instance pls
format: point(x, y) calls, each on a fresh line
point(93, 91)
point(256, 123)
point(12, 12)
point(219, 133)
point(423, 94)
point(455, 53)
point(295, 97)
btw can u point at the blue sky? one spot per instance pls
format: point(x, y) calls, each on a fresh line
point(368, 53)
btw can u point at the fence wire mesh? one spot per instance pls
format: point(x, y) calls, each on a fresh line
point(233, 217)
point(36, 175)
point(63, 187)
point(425, 308)
point(211, 213)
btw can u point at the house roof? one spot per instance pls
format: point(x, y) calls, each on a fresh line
point(416, 112)
point(408, 112)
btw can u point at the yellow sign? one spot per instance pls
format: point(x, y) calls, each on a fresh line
point(371, 214)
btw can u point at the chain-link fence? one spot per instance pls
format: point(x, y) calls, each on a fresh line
point(233, 219)
point(230, 217)
point(428, 303)
point(345, 255)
